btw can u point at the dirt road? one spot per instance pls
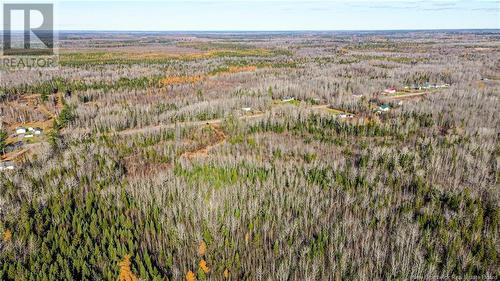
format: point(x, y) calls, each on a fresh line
point(401, 97)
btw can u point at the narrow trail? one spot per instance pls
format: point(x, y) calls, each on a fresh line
point(136, 171)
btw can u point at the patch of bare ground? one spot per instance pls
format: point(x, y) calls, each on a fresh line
point(143, 169)
point(218, 139)
point(19, 155)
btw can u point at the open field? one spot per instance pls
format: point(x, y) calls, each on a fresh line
point(254, 156)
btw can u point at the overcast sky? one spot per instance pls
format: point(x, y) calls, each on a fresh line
point(275, 15)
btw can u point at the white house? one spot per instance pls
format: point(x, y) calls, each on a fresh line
point(20, 130)
point(391, 90)
point(384, 108)
point(246, 109)
point(287, 99)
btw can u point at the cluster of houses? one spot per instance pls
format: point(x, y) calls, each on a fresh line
point(426, 86)
point(28, 132)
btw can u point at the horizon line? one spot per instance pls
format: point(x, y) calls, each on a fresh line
point(277, 30)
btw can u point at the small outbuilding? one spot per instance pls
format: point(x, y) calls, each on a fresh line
point(384, 108)
point(21, 130)
point(391, 90)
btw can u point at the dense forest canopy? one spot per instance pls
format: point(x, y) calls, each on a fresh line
point(304, 156)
